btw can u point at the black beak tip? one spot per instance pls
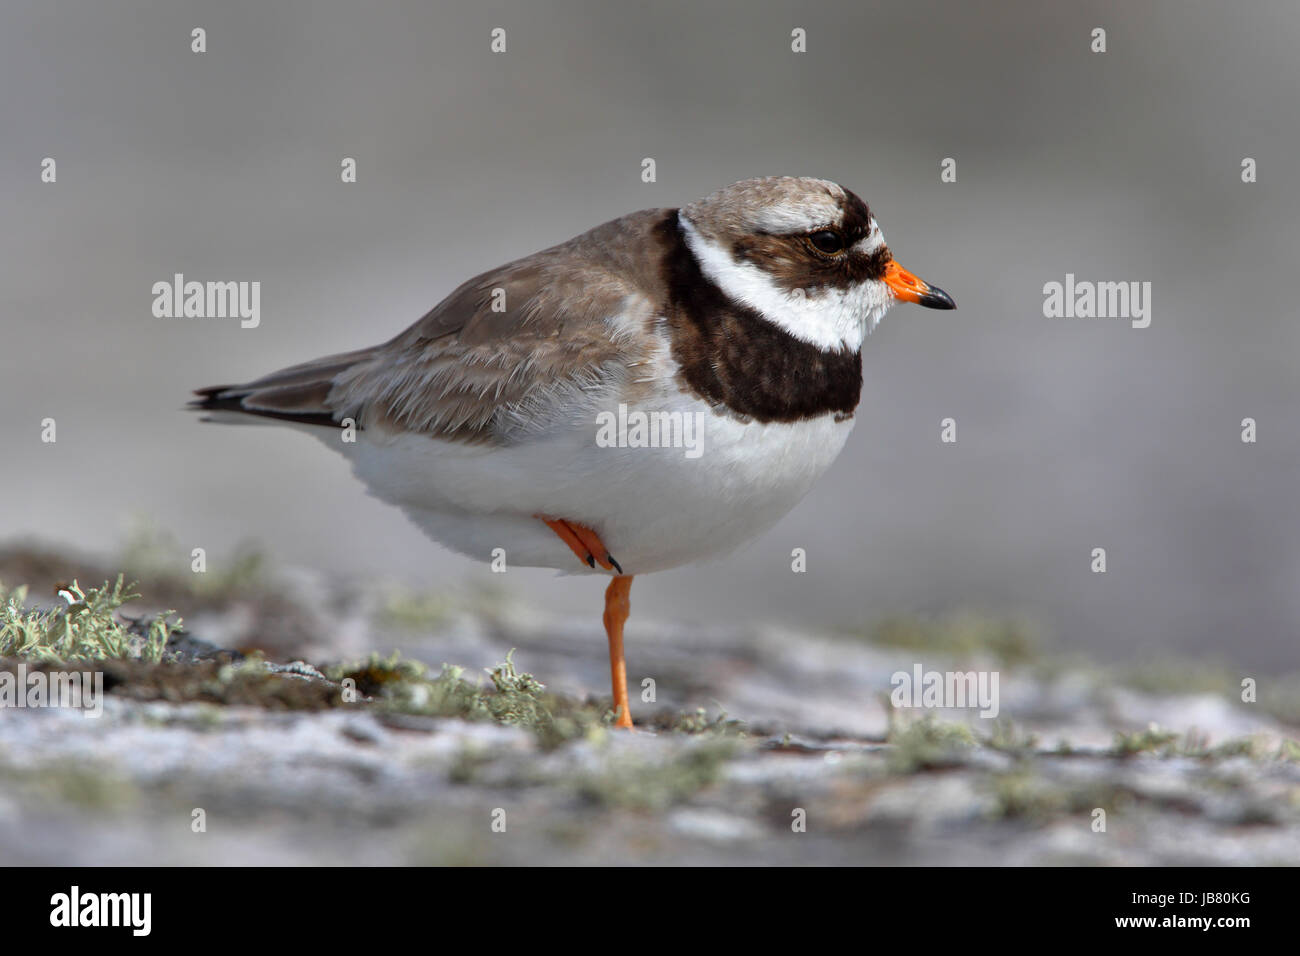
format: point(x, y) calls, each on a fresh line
point(936, 298)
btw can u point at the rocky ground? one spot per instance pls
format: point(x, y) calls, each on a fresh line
point(762, 746)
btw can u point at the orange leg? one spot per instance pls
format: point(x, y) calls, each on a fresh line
point(617, 607)
point(586, 544)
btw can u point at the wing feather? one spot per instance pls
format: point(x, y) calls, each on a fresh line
point(512, 352)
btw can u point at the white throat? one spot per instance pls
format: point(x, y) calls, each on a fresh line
point(829, 318)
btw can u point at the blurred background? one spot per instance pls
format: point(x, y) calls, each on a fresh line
point(1072, 434)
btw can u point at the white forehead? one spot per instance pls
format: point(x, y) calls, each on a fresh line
point(803, 214)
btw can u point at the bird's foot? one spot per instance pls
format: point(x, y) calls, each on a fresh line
point(583, 542)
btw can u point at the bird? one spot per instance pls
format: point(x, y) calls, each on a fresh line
point(653, 392)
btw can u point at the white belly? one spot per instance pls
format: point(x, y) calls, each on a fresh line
point(654, 507)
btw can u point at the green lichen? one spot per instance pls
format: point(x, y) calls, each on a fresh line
point(1023, 794)
point(514, 698)
point(84, 628)
point(1154, 739)
point(698, 721)
point(1196, 745)
point(928, 744)
point(633, 782)
point(1008, 738)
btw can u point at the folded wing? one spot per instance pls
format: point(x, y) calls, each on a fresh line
point(511, 352)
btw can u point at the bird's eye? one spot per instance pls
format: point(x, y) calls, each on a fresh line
point(827, 241)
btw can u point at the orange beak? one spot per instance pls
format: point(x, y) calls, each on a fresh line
point(908, 288)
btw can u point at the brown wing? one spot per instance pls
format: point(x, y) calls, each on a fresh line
point(513, 351)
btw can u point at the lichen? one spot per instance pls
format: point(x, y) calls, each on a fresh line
point(633, 782)
point(84, 628)
point(928, 744)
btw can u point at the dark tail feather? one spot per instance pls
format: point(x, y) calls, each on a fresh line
point(298, 394)
point(261, 403)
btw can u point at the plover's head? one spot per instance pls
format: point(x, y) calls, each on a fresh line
point(804, 253)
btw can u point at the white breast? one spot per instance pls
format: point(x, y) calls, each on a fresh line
point(654, 507)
